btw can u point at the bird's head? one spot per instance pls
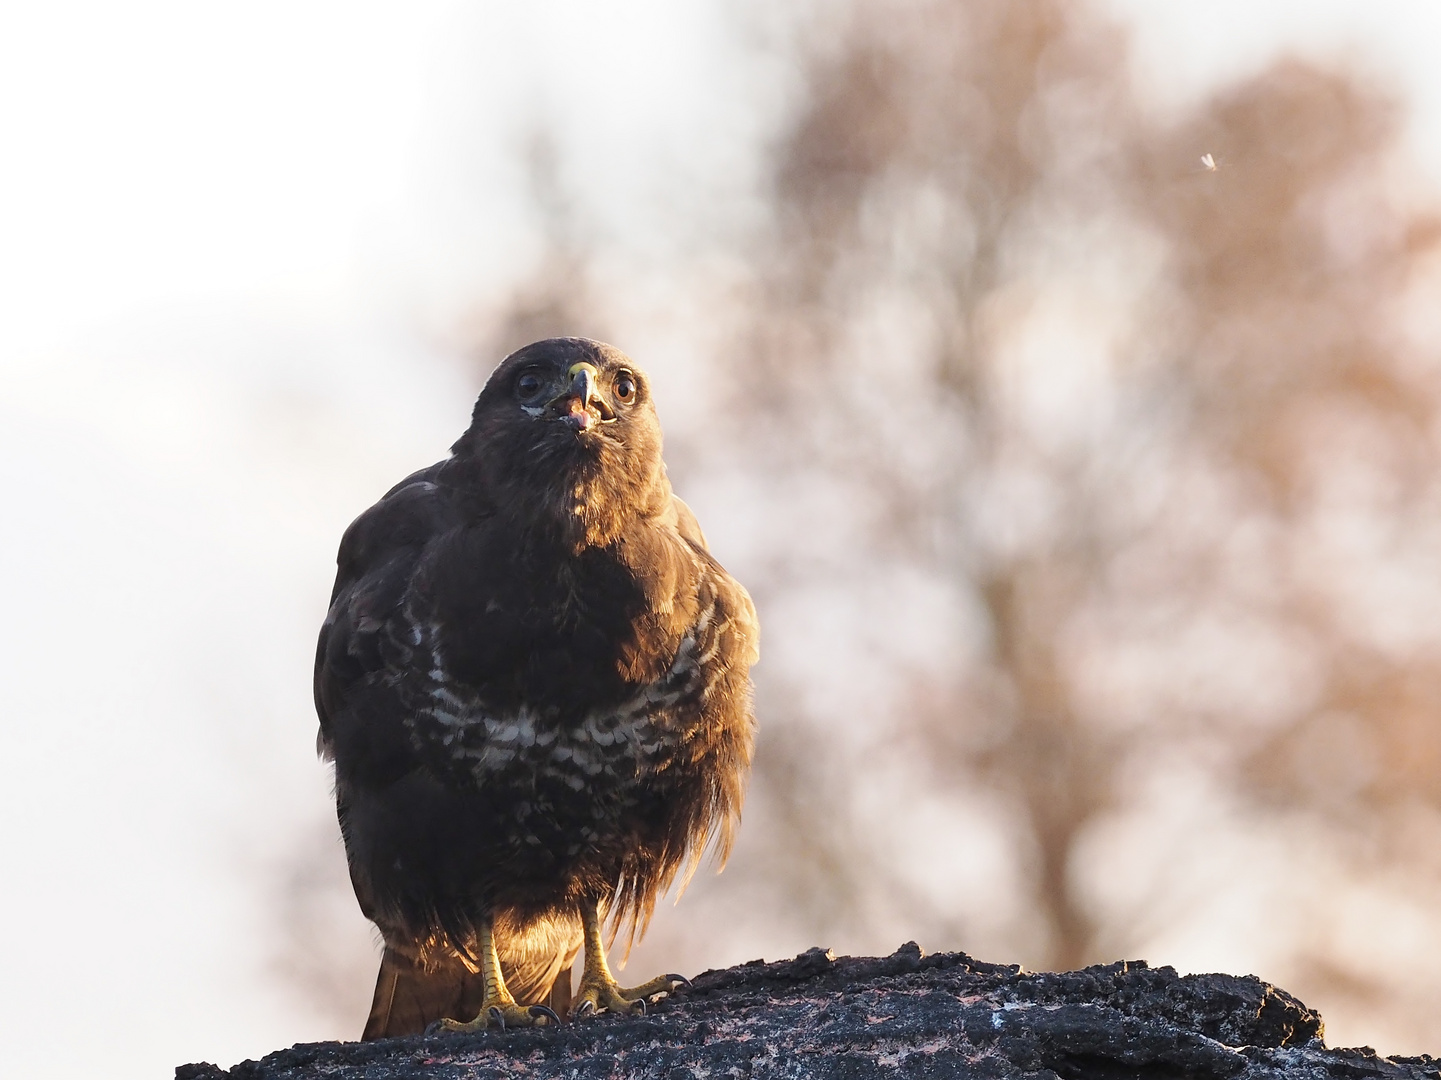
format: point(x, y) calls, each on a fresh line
point(568, 425)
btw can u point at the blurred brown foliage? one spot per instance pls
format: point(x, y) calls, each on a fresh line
point(1160, 433)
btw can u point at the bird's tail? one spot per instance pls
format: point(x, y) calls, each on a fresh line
point(410, 996)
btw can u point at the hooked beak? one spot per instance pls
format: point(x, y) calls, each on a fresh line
point(581, 405)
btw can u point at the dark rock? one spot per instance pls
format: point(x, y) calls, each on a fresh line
point(900, 1016)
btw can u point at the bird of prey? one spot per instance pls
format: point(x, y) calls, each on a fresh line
point(534, 682)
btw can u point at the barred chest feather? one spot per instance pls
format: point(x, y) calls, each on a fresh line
point(606, 750)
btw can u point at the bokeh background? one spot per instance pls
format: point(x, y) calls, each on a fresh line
point(1063, 379)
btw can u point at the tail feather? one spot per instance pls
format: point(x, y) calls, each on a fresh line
point(560, 992)
point(409, 998)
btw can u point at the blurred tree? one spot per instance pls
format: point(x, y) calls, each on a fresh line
point(1135, 397)
point(912, 197)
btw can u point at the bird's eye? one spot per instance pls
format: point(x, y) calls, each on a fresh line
point(528, 385)
point(625, 387)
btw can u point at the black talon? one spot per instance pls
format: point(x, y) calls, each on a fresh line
point(545, 1010)
point(679, 979)
point(638, 1006)
point(435, 1027)
point(497, 1016)
point(586, 1008)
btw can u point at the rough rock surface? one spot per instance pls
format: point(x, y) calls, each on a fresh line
point(905, 1015)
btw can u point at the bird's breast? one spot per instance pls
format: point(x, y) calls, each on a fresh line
point(537, 626)
point(455, 726)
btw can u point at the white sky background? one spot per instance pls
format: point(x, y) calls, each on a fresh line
point(234, 241)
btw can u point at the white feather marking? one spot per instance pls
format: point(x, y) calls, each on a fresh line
point(630, 739)
point(443, 694)
point(710, 654)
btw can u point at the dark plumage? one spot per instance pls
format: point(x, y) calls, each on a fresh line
point(534, 683)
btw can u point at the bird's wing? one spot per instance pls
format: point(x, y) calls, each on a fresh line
point(719, 643)
point(726, 625)
point(378, 554)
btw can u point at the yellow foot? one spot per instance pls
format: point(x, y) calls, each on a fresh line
point(498, 1016)
point(598, 995)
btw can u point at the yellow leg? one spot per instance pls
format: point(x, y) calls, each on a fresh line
point(598, 989)
point(498, 1009)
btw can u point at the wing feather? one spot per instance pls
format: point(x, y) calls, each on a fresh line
point(378, 554)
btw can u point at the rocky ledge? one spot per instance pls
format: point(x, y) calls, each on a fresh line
point(905, 1015)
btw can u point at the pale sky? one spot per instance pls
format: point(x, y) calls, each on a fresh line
point(234, 239)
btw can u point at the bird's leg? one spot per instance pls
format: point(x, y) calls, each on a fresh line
point(498, 1009)
point(599, 991)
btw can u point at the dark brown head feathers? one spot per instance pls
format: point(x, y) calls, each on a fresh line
point(525, 448)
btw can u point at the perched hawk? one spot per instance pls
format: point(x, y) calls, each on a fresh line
point(534, 683)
